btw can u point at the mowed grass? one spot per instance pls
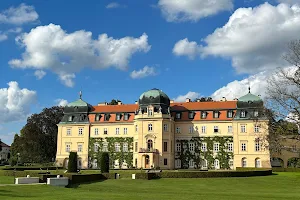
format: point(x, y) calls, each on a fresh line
point(285, 185)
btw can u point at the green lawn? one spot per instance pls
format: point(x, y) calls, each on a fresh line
point(285, 185)
point(6, 179)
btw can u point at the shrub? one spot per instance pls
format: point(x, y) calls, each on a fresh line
point(82, 178)
point(251, 169)
point(104, 164)
point(281, 169)
point(72, 165)
point(21, 168)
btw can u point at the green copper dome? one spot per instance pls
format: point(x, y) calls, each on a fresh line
point(249, 97)
point(78, 103)
point(154, 96)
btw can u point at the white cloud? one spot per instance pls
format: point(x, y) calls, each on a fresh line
point(255, 38)
point(19, 15)
point(15, 30)
point(191, 95)
point(52, 48)
point(15, 102)
point(144, 72)
point(3, 36)
point(61, 102)
point(114, 5)
point(39, 74)
point(291, 2)
point(186, 48)
point(192, 10)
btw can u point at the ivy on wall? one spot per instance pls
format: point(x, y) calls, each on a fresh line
point(121, 156)
point(185, 155)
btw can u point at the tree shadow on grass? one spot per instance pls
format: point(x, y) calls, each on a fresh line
point(274, 174)
point(76, 185)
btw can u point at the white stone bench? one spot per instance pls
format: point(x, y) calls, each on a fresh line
point(27, 180)
point(133, 176)
point(59, 181)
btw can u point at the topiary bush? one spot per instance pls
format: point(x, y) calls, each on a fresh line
point(104, 163)
point(72, 165)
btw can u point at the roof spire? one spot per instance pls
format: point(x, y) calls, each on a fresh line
point(249, 89)
point(80, 94)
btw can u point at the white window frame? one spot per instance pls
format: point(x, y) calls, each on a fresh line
point(256, 128)
point(117, 147)
point(117, 131)
point(136, 128)
point(230, 147)
point(150, 127)
point(243, 128)
point(257, 146)
point(69, 131)
point(257, 163)
point(217, 164)
point(244, 162)
point(204, 146)
point(96, 131)
point(68, 147)
point(178, 115)
point(204, 163)
point(80, 131)
point(255, 114)
point(178, 163)
point(203, 129)
point(125, 130)
point(216, 128)
point(230, 114)
point(96, 147)
point(243, 114)
point(230, 129)
point(79, 147)
point(191, 147)
point(105, 147)
point(118, 117)
point(178, 130)
point(105, 131)
point(125, 147)
point(216, 114)
point(191, 129)
point(216, 147)
point(191, 164)
point(178, 147)
point(243, 146)
point(165, 127)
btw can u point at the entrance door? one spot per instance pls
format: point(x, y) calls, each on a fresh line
point(147, 162)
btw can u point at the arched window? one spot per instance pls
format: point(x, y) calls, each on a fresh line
point(257, 163)
point(149, 145)
point(244, 162)
point(217, 164)
point(150, 127)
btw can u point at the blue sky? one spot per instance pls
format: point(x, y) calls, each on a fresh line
point(50, 50)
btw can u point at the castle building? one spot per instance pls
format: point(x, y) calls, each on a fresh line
point(157, 132)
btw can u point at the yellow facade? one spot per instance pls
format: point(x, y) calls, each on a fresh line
point(156, 135)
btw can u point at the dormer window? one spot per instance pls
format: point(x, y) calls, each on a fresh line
point(178, 115)
point(255, 113)
point(70, 118)
point(216, 114)
point(97, 118)
point(243, 114)
point(150, 111)
point(118, 117)
point(203, 115)
point(126, 116)
point(106, 117)
point(191, 115)
point(229, 114)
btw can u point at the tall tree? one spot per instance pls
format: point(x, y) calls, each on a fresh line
point(114, 102)
point(38, 138)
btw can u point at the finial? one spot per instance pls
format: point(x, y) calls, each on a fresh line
point(80, 94)
point(249, 89)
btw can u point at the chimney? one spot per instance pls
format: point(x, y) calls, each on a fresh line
point(119, 102)
point(198, 100)
point(136, 102)
point(188, 100)
point(223, 99)
point(235, 99)
point(102, 104)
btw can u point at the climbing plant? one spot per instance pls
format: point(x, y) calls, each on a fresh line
point(185, 155)
point(120, 155)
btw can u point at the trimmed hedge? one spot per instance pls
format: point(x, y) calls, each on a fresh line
point(281, 169)
point(208, 174)
point(82, 178)
point(104, 162)
point(43, 177)
point(72, 165)
point(22, 168)
point(251, 169)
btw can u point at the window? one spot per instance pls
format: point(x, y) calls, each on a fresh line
point(203, 129)
point(97, 118)
point(178, 115)
point(256, 129)
point(204, 163)
point(125, 131)
point(80, 131)
point(106, 117)
point(117, 147)
point(255, 114)
point(229, 129)
point(150, 111)
point(203, 147)
point(243, 128)
point(118, 117)
point(257, 146)
point(165, 146)
point(217, 164)
point(96, 147)
point(126, 116)
point(257, 163)
point(229, 113)
point(230, 163)
point(191, 147)
point(230, 147)
point(96, 131)
point(165, 161)
point(150, 127)
point(105, 147)
point(191, 129)
point(178, 147)
point(191, 115)
point(165, 127)
point(70, 118)
point(244, 162)
point(125, 147)
point(244, 147)
point(203, 115)
point(150, 145)
point(191, 163)
point(216, 129)
point(79, 149)
point(68, 131)
point(136, 128)
point(216, 147)
point(105, 131)
point(216, 114)
point(178, 163)
point(178, 130)
point(117, 131)
point(68, 147)
point(136, 147)
point(243, 114)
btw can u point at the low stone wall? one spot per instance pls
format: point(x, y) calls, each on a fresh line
point(27, 180)
point(58, 181)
